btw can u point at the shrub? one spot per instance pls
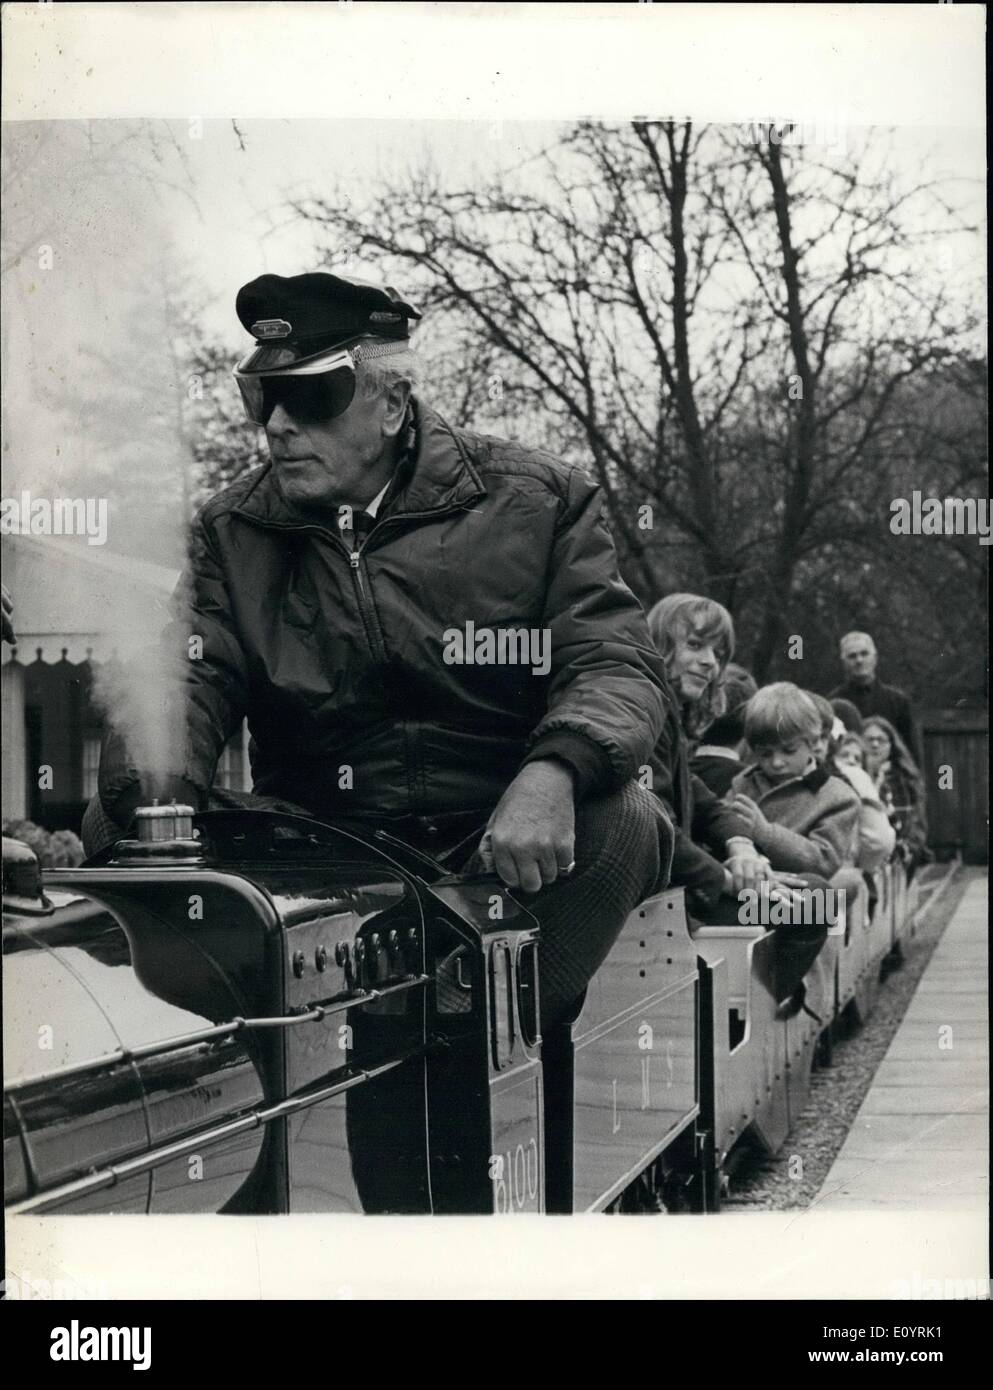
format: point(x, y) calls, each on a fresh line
point(56, 849)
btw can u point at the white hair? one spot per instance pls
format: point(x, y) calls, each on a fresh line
point(851, 637)
point(376, 370)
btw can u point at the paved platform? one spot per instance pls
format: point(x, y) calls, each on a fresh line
point(921, 1138)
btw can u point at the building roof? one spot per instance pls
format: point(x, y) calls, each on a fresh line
point(78, 600)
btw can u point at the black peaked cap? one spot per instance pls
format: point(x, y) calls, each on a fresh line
point(314, 312)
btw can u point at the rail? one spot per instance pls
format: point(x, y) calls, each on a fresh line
point(308, 1013)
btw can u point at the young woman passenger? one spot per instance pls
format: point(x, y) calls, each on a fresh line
point(696, 638)
point(714, 858)
point(899, 785)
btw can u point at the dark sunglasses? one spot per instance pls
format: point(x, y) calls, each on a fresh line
point(310, 398)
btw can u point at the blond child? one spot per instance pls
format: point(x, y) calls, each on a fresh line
point(799, 814)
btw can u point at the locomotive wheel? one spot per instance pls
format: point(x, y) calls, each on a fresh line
point(644, 1195)
point(639, 1198)
point(657, 1191)
point(677, 1194)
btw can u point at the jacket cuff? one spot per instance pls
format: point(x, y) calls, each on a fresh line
point(745, 840)
point(589, 764)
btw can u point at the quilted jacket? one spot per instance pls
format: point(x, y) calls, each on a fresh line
point(344, 661)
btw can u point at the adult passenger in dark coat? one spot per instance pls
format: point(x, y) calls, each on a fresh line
point(869, 694)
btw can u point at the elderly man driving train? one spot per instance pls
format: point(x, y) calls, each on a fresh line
point(425, 628)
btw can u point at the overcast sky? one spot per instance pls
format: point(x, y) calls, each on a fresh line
point(241, 193)
point(208, 204)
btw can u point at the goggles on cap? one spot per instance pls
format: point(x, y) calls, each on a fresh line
point(320, 388)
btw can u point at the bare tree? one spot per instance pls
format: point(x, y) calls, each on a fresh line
point(724, 330)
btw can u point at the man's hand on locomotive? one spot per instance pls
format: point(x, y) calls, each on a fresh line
point(530, 838)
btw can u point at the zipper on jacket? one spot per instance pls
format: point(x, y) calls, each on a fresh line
point(370, 619)
point(354, 560)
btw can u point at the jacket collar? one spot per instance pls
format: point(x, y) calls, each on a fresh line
point(434, 474)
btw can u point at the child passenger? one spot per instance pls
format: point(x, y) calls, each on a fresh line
point(717, 760)
point(877, 838)
point(850, 752)
point(822, 748)
point(798, 813)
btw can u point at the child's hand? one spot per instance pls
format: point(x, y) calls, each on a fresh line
point(749, 812)
point(746, 869)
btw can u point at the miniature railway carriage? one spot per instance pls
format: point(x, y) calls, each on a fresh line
point(271, 1014)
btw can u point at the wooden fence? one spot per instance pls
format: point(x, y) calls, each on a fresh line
point(956, 749)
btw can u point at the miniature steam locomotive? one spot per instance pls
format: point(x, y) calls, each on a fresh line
point(270, 1014)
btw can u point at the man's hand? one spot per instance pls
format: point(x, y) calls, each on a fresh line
point(532, 833)
point(748, 811)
